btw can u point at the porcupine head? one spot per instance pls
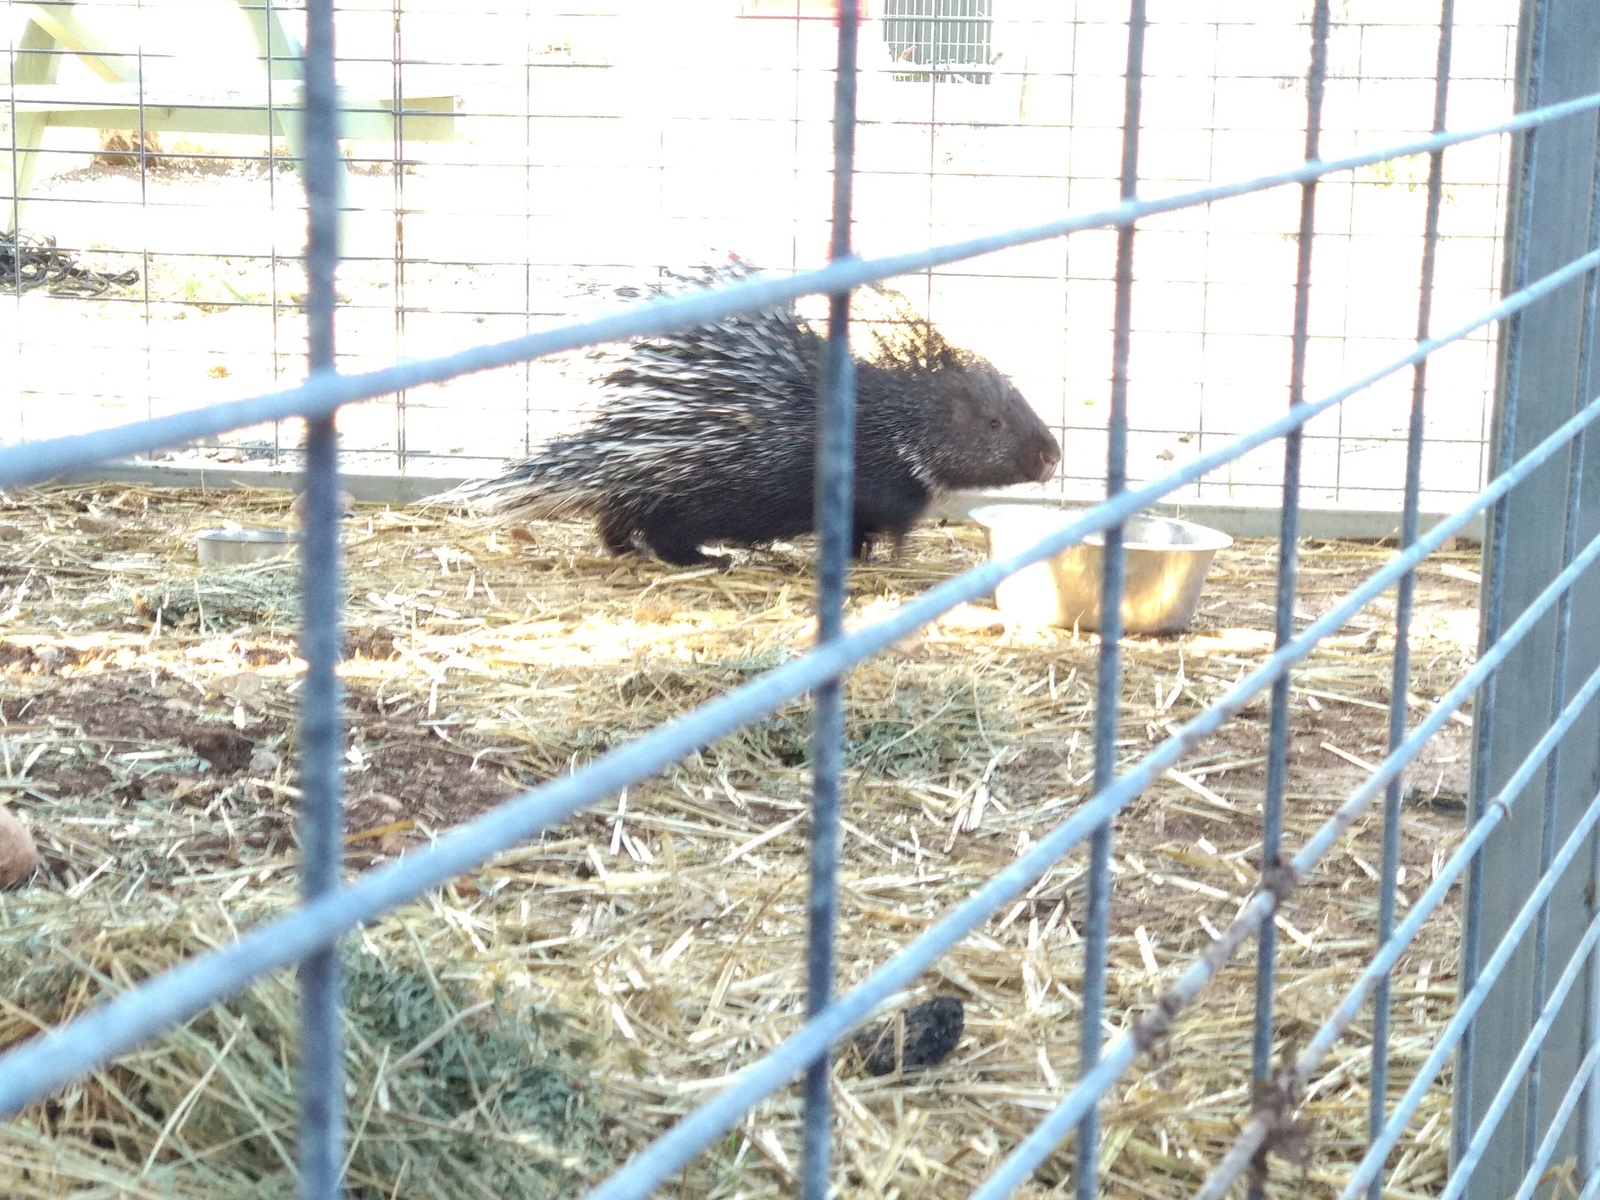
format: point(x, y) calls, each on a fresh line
point(971, 427)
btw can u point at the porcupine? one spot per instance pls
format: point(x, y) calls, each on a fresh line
point(708, 435)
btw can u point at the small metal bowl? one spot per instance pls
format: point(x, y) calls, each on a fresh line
point(1167, 564)
point(221, 547)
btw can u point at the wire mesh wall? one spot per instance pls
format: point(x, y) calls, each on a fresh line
point(1532, 619)
point(549, 157)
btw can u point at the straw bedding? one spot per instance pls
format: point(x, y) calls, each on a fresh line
point(526, 1028)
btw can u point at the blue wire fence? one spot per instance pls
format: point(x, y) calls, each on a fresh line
point(308, 935)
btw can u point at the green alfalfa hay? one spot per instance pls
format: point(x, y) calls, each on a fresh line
point(454, 1087)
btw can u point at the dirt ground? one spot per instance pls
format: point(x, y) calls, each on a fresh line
point(147, 729)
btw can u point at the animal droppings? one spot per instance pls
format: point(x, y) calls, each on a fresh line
point(932, 1030)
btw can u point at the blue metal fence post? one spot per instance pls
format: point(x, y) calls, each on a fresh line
point(1589, 1115)
point(321, 741)
point(1532, 30)
point(1548, 223)
point(1559, 691)
point(834, 517)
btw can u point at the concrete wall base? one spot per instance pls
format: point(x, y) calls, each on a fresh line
point(1236, 520)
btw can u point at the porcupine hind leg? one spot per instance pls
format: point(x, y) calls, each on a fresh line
point(616, 533)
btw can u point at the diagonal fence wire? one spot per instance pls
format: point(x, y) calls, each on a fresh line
point(1558, 1124)
point(674, 1149)
point(38, 1065)
point(1261, 1127)
point(1263, 903)
point(1531, 1045)
point(1445, 1044)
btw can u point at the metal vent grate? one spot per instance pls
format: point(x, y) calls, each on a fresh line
point(947, 39)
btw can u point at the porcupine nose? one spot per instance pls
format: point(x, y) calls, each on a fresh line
point(1046, 455)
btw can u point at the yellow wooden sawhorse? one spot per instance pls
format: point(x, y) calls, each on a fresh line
point(269, 109)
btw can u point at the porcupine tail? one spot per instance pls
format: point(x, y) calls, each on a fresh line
point(557, 483)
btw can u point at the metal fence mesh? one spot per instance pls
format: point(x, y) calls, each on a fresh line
point(1522, 606)
point(601, 144)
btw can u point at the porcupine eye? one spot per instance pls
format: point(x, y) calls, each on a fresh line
point(994, 422)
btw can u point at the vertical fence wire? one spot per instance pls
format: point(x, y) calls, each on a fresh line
point(398, 191)
point(1400, 679)
point(1492, 606)
point(13, 220)
point(1288, 565)
point(1113, 582)
point(836, 537)
point(321, 838)
point(529, 127)
point(143, 159)
point(269, 25)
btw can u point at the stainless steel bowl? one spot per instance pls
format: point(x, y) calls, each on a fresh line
point(1167, 565)
point(219, 547)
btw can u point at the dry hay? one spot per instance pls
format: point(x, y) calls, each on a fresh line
point(622, 965)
